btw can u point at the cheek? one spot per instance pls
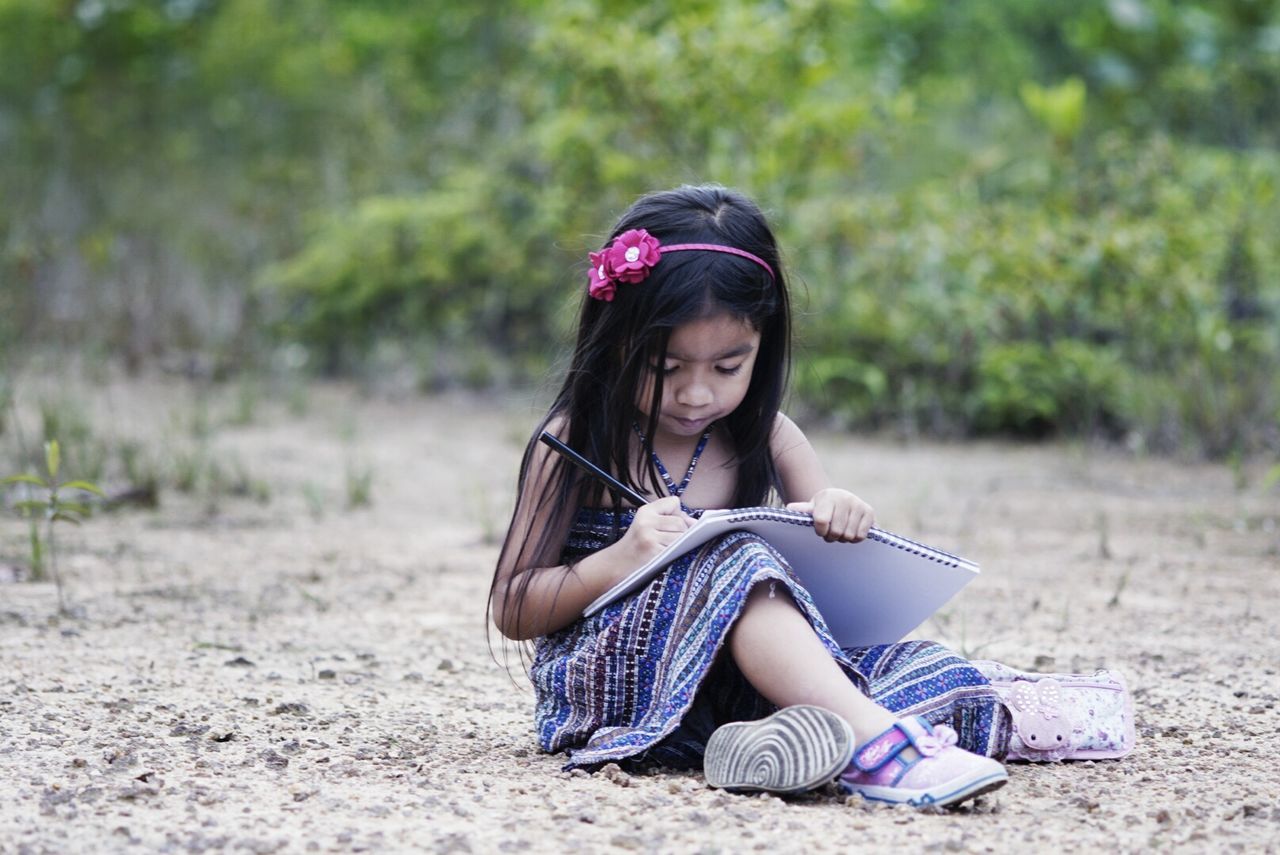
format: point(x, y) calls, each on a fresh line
point(735, 391)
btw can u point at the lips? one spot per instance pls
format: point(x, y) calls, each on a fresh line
point(692, 424)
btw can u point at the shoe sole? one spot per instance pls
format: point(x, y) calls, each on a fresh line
point(944, 795)
point(795, 750)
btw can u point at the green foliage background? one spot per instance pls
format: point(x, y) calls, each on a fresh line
point(1018, 216)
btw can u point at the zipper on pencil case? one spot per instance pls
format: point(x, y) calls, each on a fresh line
point(1006, 683)
point(1111, 687)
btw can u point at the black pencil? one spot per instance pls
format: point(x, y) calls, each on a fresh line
point(593, 470)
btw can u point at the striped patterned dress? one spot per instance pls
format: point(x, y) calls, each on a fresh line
point(644, 682)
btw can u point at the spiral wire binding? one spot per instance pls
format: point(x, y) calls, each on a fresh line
point(888, 538)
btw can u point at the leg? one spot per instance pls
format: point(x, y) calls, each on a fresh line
point(811, 738)
point(776, 649)
point(899, 762)
point(924, 678)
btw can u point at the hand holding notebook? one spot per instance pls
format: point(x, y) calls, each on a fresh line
point(871, 592)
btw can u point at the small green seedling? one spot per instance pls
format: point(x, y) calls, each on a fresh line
point(53, 508)
point(359, 485)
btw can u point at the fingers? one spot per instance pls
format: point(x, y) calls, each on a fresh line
point(838, 515)
point(665, 509)
point(665, 505)
point(669, 522)
point(829, 518)
point(839, 529)
point(856, 524)
point(656, 526)
point(859, 523)
point(865, 523)
point(660, 522)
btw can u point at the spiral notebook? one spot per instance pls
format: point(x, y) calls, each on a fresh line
point(871, 592)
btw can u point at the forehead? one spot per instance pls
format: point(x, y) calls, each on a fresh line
point(713, 337)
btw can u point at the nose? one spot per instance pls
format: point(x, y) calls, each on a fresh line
point(694, 393)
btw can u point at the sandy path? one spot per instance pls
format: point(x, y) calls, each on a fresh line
point(295, 676)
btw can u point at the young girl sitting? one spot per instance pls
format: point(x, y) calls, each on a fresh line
point(721, 661)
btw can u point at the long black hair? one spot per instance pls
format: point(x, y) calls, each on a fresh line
point(617, 343)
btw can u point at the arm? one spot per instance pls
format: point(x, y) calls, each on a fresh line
point(555, 596)
point(837, 514)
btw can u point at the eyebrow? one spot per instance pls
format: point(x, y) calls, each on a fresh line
point(741, 350)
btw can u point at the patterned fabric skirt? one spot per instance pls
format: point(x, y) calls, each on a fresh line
point(643, 682)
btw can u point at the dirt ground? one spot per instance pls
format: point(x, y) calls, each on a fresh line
point(277, 672)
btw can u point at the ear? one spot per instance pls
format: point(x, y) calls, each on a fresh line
point(1049, 693)
point(1022, 696)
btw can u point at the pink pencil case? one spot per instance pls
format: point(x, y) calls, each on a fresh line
point(1064, 716)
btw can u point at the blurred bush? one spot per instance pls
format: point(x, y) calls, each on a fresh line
point(1124, 295)
point(1012, 217)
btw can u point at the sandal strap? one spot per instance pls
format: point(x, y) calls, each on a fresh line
point(873, 754)
point(916, 731)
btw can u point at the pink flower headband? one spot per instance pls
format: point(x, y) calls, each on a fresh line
point(635, 253)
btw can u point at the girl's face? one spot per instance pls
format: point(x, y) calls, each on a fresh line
point(706, 375)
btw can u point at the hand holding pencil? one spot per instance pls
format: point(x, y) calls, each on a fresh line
point(657, 523)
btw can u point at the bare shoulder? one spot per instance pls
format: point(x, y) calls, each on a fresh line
point(544, 462)
point(538, 455)
point(787, 436)
point(558, 425)
point(799, 469)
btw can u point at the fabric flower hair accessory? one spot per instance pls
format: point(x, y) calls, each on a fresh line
point(635, 252)
point(628, 259)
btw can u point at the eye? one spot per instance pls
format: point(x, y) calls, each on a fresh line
point(667, 370)
point(729, 371)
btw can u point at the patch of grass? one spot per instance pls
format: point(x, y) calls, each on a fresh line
point(133, 464)
point(141, 473)
point(260, 491)
point(198, 471)
point(248, 394)
point(197, 419)
point(318, 603)
point(347, 427)
point(297, 398)
point(314, 498)
point(1121, 583)
point(289, 378)
point(188, 468)
point(1272, 478)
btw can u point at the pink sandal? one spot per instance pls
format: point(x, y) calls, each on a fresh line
point(940, 773)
